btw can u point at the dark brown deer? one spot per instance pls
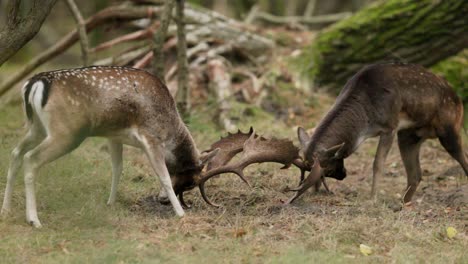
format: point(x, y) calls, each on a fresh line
point(127, 106)
point(384, 100)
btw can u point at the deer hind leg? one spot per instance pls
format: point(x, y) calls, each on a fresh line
point(410, 144)
point(32, 139)
point(115, 151)
point(155, 153)
point(385, 143)
point(50, 149)
point(451, 141)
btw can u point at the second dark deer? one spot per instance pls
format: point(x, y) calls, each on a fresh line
point(384, 100)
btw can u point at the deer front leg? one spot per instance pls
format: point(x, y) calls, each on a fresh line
point(410, 145)
point(385, 143)
point(30, 141)
point(115, 151)
point(155, 153)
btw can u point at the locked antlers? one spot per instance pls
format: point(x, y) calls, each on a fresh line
point(254, 149)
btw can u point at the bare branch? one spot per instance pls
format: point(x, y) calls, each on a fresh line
point(137, 35)
point(144, 61)
point(252, 14)
point(310, 8)
point(81, 30)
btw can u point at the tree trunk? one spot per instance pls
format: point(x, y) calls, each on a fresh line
point(183, 91)
point(159, 39)
point(19, 30)
point(422, 32)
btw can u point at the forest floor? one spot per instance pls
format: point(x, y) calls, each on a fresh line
point(252, 226)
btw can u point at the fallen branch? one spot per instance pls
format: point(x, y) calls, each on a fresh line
point(220, 85)
point(137, 35)
point(125, 58)
point(142, 63)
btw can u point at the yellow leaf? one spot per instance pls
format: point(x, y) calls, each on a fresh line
point(451, 232)
point(365, 250)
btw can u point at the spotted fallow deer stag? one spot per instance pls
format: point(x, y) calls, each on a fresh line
point(384, 100)
point(125, 105)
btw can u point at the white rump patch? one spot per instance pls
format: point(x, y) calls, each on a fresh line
point(35, 99)
point(35, 96)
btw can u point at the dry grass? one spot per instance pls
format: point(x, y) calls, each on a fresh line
point(252, 227)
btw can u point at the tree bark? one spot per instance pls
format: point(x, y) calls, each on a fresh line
point(19, 30)
point(183, 92)
point(159, 39)
point(422, 32)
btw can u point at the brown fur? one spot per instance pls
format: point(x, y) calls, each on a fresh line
point(380, 100)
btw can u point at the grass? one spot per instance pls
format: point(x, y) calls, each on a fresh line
point(252, 227)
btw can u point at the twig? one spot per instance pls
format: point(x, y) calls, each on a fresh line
point(144, 61)
point(81, 30)
point(159, 38)
point(202, 46)
point(252, 14)
point(137, 35)
point(125, 58)
point(310, 8)
point(211, 54)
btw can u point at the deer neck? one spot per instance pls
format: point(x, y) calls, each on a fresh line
point(347, 123)
point(182, 152)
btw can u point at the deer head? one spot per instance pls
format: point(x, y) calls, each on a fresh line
point(323, 163)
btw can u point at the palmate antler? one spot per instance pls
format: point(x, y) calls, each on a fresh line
point(254, 149)
point(229, 147)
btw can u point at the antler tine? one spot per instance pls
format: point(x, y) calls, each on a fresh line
point(229, 146)
point(182, 202)
point(236, 169)
point(314, 176)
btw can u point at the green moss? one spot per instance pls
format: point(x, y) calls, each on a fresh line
point(411, 31)
point(455, 71)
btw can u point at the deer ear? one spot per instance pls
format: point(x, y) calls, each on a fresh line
point(207, 156)
point(334, 152)
point(304, 138)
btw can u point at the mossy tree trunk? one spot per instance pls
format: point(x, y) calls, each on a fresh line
point(423, 32)
point(455, 70)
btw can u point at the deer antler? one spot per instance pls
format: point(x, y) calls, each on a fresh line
point(313, 178)
point(255, 150)
point(229, 147)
